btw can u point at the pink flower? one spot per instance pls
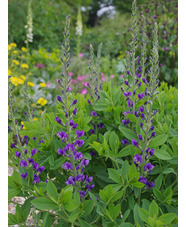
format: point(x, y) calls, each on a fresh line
point(47, 85)
point(121, 76)
point(73, 81)
point(69, 88)
point(70, 74)
point(112, 76)
point(81, 55)
point(80, 78)
point(84, 91)
point(103, 79)
point(102, 74)
point(39, 65)
point(85, 84)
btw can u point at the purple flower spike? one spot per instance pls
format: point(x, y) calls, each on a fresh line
point(82, 193)
point(151, 152)
point(89, 102)
point(134, 142)
point(140, 96)
point(141, 109)
point(23, 163)
point(79, 143)
point(59, 98)
point(24, 175)
point(88, 179)
point(84, 162)
point(141, 124)
point(129, 103)
point(128, 72)
point(61, 151)
point(137, 160)
point(12, 145)
point(80, 177)
point(126, 83)
point(78, 156)
point(148, 167)
point(30, 160)
point(18, 154)
point(151, 128)
point(143, 180)
point(41, 169)
point(74, 126)
point(140, 137)
point(153, 134)
point(33, 151)
point(126, 122)
point(147, 150)
point(71, 123)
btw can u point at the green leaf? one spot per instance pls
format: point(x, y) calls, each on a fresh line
point(161, 154)
point(129, 134)
point(158, 194)
point(13, 192)
point(114, 142)
point(84, 223)
point(158, 181)
point(124, 169)
point(73, 217)
point(44, 204)
point(98, 147)
point(126, 214)
point(143, 214)
point(137, 219)
point(126, 224)
point(117, 196)
point(133, 174)
point(114, 175)
point(70, 206)
point(88, 206)
point(52, 191)
point(153, 209)
point(167, 218)
point(126, 151)
point(168, 171)
point(137, 184)
point(131, 117)
point(158, 141)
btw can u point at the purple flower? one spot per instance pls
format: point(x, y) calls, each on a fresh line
point(75, 111)
point(79, 133)
point(12, 145)
point(129, 103)
point(71, 123)
point(141, 124)
point(100, 125)
point(128, 73)
point(153, 134)
point(23, 163)
point(67, 166)
point(58, 120)
point(137, 160)
point(66, 114)
point(80, 177)
point(93, 113)
point(41, 169)
point(126, 122)
point(127, 94)
point(151, 152)
point(90, 187)
point(36, 179)
point(18, 154)
point(140, 137)
point(84, 162)
point(141, 109)
point(24, 175)
point(35, 165)
point(33, 151)
point(143, 115)
point(74, 102)
point(88, 179)
point(126, 83)
point(151, 128)
point(26, 151)
point(70, 181)
point(89, 102)
point(74, 126)
point(143, 180)
point(147, 150)
point(59, 98)
point(82, 193)
point(92, 153)
point(30, 160)
point(148, 167)
point(92, 131)
point(134, 142)
point(79, 143)
point(150, 185)
point(41, 141)
point(61, 151)
point(125, 141)
point(140, 96)
point(78, 156)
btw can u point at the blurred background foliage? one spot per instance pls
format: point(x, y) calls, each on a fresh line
point(106, 21)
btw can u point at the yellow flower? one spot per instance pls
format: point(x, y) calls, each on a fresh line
point(24, 49)
point(42, 84)
point(9, 72)
point(24, 66)
point(23, 125)
point(16, 81)
point(31, 84)
point(40, 111)
point(15, 52)
point(15, 62)
point(33, 105)
point(23, 77)
point(9, 47)
point(42, 101)
point(35, 119)
point(13, 44)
